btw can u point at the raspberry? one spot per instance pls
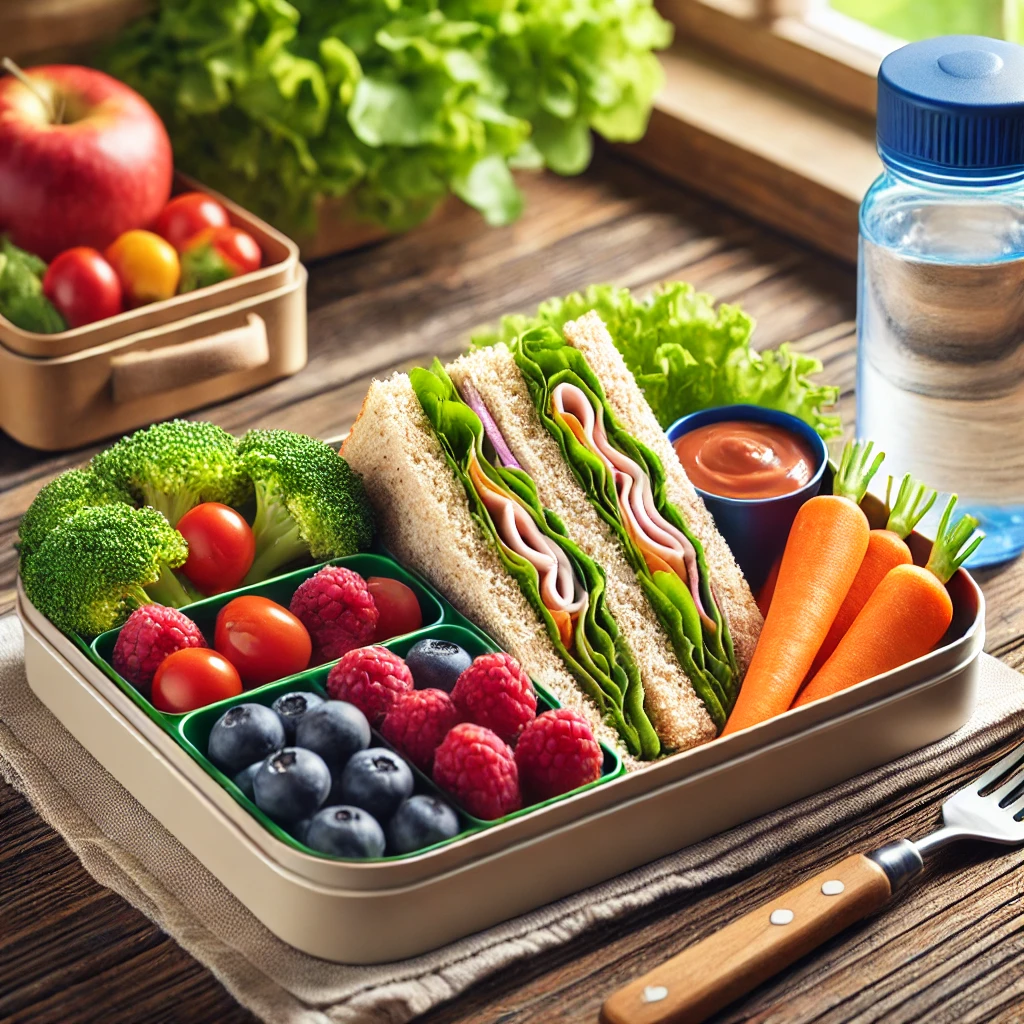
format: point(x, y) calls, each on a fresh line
point(417, 722)
point(337, 609)
point(557, 752)
point(151, 633)
point(370, 678)
point(496, 693)
point(478, 768)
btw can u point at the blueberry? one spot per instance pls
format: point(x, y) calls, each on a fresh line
point(421, 821)
point(244, 734)
point(436, 664)
point(292, 707)
point(243, 780)
point(291, 784)
point(376, 780)
point(300, 829)
point(335, 730)
point(345, 832)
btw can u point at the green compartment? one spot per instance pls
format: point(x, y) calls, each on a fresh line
point(192, 731)
point(279, 589)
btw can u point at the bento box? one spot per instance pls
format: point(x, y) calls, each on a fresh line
point(64, 390)
point(387, 909)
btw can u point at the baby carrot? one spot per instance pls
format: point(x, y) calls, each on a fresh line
point(886, 549)
point(823, 553)
point(904, 618)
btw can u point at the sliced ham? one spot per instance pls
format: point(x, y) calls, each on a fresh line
point(560, 589)
point(664, 547)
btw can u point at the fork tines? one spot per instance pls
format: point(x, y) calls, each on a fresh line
point(1008, 770)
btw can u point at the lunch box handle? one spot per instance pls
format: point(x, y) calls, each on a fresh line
point(138, 374)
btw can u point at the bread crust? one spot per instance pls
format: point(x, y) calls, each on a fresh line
point(590, 335)
point(677, 713)
point(424, 519)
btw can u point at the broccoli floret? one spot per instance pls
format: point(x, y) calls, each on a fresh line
point(174, 466)
point(94, 569)
point(308, 501)
point(59, 500)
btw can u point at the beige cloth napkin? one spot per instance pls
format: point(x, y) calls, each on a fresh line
point(125, 849)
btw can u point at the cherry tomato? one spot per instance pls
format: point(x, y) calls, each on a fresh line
point(397, 605)
point(83, 286)
point(218, 254)
point(148, 266)
point(220, 547)
point(192, 678)
point(261, 639)
point(188, 214)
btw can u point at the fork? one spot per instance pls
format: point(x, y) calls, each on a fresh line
point(711, 974)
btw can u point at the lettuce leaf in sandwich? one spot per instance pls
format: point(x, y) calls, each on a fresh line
point(675, 579)
point(588, 641)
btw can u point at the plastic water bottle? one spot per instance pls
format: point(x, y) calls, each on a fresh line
point(940, 369)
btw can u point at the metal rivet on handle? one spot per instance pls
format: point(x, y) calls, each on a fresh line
point(833, 887)
point(781, 916)
point(654, 994)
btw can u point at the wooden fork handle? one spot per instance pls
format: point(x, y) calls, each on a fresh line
point(704, 978)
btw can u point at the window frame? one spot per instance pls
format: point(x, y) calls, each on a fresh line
point(802, 42)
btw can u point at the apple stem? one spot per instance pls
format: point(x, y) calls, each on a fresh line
point(55, 112)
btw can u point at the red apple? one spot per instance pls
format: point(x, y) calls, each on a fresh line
point(104, 169)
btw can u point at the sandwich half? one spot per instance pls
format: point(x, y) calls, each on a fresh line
point(679, 716)
point(475, 528)
point(673, 585)
point(535, 488)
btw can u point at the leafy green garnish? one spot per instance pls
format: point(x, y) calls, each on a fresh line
point(394, 102)
point(706, 654)
point(21, 291)
point(599, 659)
point(687, 355)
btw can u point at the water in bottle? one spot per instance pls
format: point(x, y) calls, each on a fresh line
point(940, 372)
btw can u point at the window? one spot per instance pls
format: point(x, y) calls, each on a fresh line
point(834, 47)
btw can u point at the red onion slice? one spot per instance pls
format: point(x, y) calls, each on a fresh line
point(472, 398)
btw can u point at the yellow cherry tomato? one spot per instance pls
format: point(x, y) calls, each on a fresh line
point(147, 265)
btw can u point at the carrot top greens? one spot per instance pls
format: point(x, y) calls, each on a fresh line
point(948, 551)
point(856, 470)
point(913, 500)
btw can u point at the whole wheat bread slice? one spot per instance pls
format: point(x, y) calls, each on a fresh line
point(677, 713)
point(424, 519)
point(627, 402)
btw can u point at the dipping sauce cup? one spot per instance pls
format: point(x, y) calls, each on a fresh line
point(756, 528)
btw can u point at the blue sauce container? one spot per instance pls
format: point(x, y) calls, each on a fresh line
point(940, 311)
point(756, 529)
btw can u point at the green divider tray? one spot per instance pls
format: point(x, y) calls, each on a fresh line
point(280, 589)
point(191, 730)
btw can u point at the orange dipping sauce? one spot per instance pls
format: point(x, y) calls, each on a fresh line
point(745, 459)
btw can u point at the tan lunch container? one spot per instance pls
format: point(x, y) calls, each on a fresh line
point(64, 390)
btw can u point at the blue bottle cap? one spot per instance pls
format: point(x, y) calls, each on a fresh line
point(952, 108)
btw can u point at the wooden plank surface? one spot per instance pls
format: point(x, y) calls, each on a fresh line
point(952, 949)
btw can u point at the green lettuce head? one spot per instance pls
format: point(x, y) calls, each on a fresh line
point(394, 103)
point(687, 354)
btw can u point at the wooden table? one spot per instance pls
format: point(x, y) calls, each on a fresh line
point(952, 949)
